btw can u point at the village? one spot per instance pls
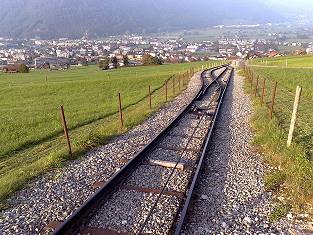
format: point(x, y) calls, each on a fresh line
point(65, 53)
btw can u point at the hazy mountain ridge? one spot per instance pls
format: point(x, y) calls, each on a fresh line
point(292, 7)
point(74, 18)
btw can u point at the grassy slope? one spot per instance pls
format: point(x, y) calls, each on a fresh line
point(294, 166)
point(292, 61)
point(31, 138)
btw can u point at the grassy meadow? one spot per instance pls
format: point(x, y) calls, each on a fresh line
point(31, 136)
point(293, 174)
point(292, 61)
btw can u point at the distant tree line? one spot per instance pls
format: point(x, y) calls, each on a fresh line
point(112, 62)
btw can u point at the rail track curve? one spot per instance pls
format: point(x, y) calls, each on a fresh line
point(151, 194)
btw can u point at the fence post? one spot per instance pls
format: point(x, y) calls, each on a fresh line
point(256, 87)
point(150, 98)
point(179, 83)
point(263, 91)
point(294, 115)
point(251, 84)
point(180, 77)
point(273, 100)
point(166, 91)
point(120, 110)
point(174, 85)
point(67, 138)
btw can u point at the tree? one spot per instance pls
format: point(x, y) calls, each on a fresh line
point(147, 59)
point(22, 68)
point(104, 63)
point(157, 60)
point(114, 61)
point(125, 60)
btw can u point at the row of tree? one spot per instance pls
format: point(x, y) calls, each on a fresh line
point(148, 59)
point(112, 62)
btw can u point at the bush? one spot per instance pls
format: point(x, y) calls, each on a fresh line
point(104, 63)
point(148, 59)
point(22, 68)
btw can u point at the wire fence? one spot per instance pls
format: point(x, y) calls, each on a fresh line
point(130, 115)
point(280, 102)
point(127, 115)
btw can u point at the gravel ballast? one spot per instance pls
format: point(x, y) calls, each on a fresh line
point(56, 195)
point(151, 177)
point(230, 197)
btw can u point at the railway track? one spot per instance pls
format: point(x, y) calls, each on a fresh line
point(151, 193)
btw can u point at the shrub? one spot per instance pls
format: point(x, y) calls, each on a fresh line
point(22, 68)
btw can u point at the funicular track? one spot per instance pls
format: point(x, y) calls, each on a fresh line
point(151, 193)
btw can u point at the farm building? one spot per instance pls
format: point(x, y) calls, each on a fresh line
point(12, 68)
point(16, 68)
point(273, 54)
point(52, 63)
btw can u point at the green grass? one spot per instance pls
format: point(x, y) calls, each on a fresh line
point(292, 61)
point(280, 211)
point(274, 181)
point(293, 167)
point(31, 137)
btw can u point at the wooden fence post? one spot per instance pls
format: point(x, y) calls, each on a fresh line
point(251, 84)
point(273, 100)
point(179, 83)
point(67, 138)
point(120, 110)
point(166, 91)
point(256, 87)
point(150, 98)
point(294, 115)
point(263, 91)
point(181, 77)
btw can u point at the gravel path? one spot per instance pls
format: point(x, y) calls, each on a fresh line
point(56, 195)
point(230, 198)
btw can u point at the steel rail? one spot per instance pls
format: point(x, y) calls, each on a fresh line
point(141, 228)
point(200, 163)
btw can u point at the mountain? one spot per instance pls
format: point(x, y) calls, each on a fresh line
point(292, 7)
point(75, 18)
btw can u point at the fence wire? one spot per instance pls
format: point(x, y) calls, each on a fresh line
point(283, 107)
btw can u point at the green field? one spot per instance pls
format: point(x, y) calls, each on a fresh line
point(213, 34)
point(31, 137)
point(294, 164)
point(292, 61)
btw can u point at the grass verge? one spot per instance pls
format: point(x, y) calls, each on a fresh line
point(291, 174)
